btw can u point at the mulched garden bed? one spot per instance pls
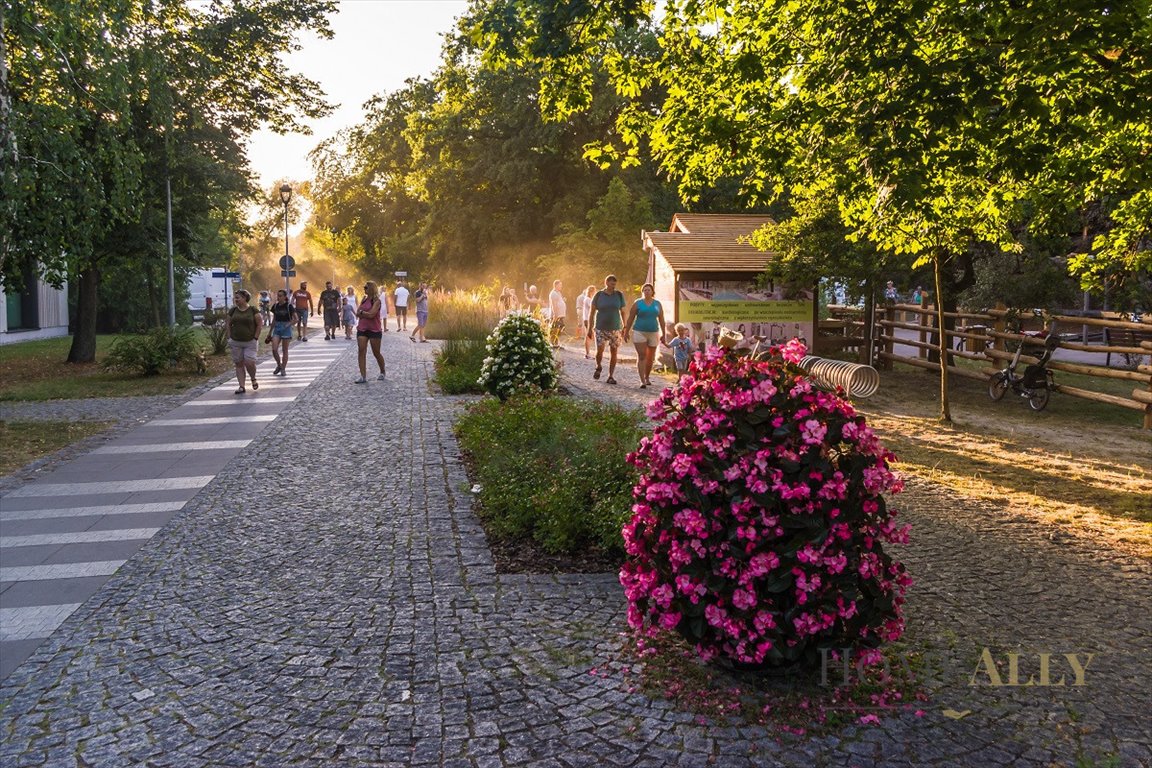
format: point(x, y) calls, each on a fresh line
point(525, 556)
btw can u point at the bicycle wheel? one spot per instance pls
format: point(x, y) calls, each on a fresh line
point(1038, 400)
point(997, 386)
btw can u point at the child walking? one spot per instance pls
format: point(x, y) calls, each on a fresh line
point(681, 350)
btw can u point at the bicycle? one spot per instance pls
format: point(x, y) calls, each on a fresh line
point(1035, 385)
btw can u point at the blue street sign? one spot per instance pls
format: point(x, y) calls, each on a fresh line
point(232, 275)
point(287, 262)
point(287, 273)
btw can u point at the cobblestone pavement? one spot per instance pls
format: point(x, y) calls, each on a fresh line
point(350, 614)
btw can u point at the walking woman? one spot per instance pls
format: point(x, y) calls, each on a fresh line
point(242, 325)
point(646, 323)
point(369, 331)
point(348, 312)
point(280, 334)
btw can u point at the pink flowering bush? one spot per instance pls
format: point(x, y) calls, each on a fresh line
point(759, 520)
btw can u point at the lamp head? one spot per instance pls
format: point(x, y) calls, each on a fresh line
point(285, 193)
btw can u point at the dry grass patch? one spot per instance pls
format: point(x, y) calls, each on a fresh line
point(1083, 466)
point(36, 370)
point(26, 441)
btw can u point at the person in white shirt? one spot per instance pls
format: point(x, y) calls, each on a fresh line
point(400, 297)
point(557, 311)
point(583, 308)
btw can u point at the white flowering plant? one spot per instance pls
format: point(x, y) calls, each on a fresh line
point(519, 358)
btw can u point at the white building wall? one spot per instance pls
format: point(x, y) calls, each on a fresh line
point(53, 316)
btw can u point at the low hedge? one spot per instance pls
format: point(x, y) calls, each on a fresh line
point(553, 469)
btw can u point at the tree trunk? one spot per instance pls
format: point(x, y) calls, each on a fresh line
point(84, 339)
point(867, 351)
point(941, 338)
point(153, 297)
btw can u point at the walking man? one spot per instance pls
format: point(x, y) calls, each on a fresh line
point(421, 299)
point(400, 296)
point(330, 306)
point(304, 307)
point(557, 310)
point(606, 321)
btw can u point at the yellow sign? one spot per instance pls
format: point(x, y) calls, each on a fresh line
point(746, 311)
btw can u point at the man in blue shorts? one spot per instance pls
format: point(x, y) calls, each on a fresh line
point(303, 301)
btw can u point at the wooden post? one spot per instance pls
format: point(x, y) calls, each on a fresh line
point(1147, 346)
point(923, 352)
point(868, 348)
point(889, 335)
point(1000, 326)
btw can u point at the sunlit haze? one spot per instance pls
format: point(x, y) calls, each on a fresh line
point(378, 44)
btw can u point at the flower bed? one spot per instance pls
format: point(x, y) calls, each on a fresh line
point(759, 521)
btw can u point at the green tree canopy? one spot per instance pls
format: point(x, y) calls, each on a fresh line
point(105, 100)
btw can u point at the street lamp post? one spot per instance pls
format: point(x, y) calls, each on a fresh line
point(286, 195)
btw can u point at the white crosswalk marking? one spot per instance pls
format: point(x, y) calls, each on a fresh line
point(115, 486)
point(59, 571)
point(33, 621)
point(106, 509)
point(206, 445)
point(82, 537)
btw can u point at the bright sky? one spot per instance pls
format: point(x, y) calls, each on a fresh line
point(378, 44)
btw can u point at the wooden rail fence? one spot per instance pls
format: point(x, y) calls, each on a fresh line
point(984, 336)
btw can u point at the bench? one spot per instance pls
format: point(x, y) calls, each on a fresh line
point(1123, 337)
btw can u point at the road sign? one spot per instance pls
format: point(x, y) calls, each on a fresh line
point(287, 262)
point(287, 273)
point(401, 274)
point(226, 275)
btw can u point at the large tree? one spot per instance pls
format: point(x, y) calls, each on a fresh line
point(936, 127)
point(108, 100)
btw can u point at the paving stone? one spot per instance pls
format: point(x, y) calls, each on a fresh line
point(312, 607)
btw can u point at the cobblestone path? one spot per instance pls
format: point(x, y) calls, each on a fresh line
point(330, 600)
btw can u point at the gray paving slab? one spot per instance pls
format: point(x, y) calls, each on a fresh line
point(351, 614)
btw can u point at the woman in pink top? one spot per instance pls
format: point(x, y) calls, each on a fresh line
point(368, 330)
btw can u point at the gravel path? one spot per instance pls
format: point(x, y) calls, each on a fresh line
point(350, 614)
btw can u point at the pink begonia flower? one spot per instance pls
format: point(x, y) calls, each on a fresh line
point(794, 351)
point(764, 622)
point(669, 620)
point(744, 599)
point(763, 562)
point(691, 522)
point(683, 465)
point(663, 595)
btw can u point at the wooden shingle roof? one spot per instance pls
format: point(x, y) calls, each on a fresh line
point(719, 223)
point(710, 243)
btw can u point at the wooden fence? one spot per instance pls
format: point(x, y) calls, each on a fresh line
point(984, 337)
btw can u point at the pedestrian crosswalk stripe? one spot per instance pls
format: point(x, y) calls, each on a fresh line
point(114, 486)
point(96, 511)
point(80, 537)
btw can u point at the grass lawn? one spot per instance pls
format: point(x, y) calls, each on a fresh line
point(26, 441)
point(35, 370)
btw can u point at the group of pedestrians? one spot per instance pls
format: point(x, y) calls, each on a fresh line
point(368, 317)
point(607, 321)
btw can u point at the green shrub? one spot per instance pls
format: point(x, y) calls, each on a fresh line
point(216, 331)
point(154, 351)
point(553, 469)
point(458, 363)
point(519, 358)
